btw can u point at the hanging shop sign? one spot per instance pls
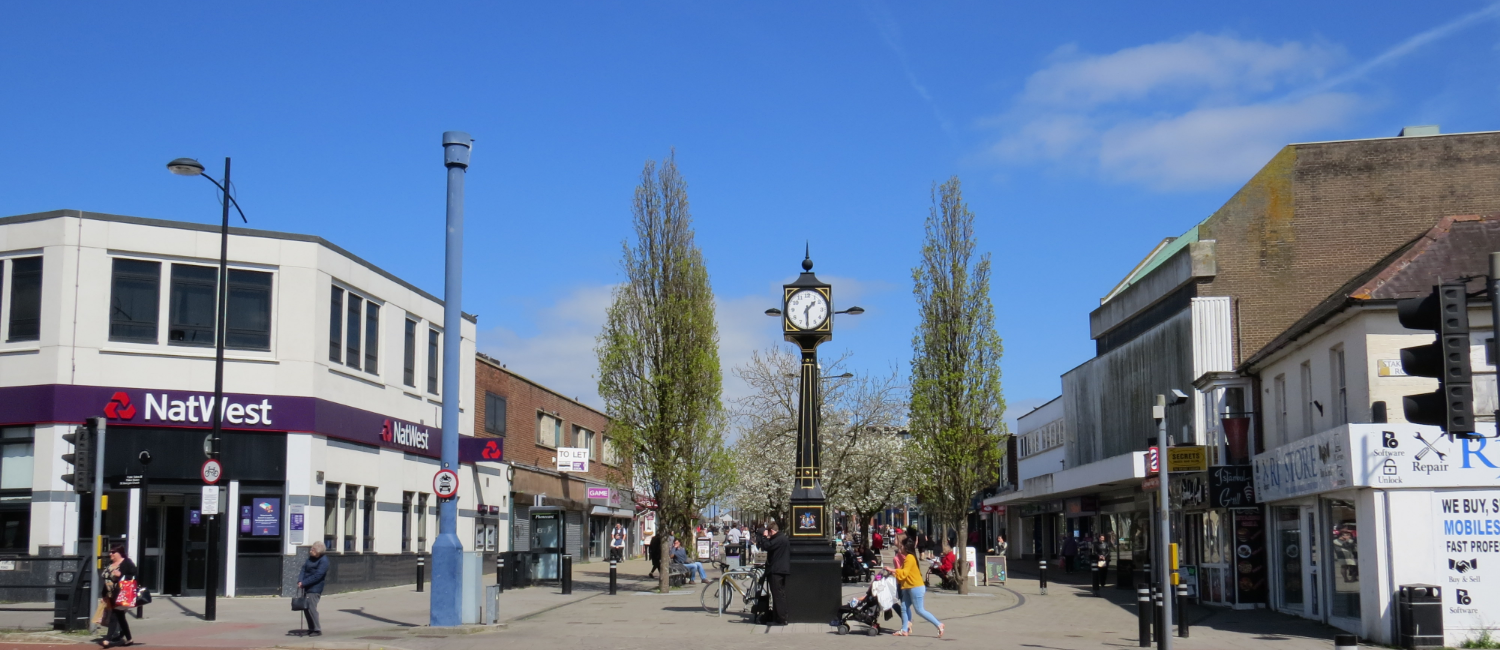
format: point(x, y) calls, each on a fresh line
point(1187, 459)
point(1231, 486)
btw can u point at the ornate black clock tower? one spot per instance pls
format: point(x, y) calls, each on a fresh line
point(813, 588)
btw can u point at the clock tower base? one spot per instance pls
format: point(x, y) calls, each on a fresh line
point(815, 587)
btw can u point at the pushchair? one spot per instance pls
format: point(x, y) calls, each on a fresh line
point(867, 610)
point(855, 569)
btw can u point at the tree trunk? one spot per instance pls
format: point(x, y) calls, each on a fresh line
point(962, 566)
point(665, 578)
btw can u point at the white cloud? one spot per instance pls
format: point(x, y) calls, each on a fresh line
point(1189, 112)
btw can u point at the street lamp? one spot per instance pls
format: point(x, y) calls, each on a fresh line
point(1163, 472)
point(191, 167)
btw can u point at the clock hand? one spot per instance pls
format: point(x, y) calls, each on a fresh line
point(807, 314)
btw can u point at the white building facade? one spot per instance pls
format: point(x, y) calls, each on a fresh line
point(331, 415)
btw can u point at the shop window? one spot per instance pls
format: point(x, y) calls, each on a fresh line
point(351, 513)
point(421, 522)
point(25, 299)
point(409, 358)
point(192, 300)
point(15, 531)
point(134, 301)
point(406, 504)
point(1343, 548)
point(248, 320)
point(331, 517)
point(494, 414)
point(369, 507)
point(336, 325)
point(432, 360)
point(548, 431)
point(15, 458)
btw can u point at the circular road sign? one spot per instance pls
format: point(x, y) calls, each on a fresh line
point(212, 470)
point(445, 483)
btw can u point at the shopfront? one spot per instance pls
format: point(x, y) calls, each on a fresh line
point(1042, 528)
point(1361, 509)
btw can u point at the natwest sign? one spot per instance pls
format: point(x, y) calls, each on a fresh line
point(405, 434)
point(183, 408)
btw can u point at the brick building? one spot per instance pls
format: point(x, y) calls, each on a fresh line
point(535, 422)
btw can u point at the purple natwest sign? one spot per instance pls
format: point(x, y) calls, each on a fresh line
point(189, 409)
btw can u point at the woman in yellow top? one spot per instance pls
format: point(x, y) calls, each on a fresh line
point(913, 589)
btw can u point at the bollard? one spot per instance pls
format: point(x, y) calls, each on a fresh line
point(1043, 567)
point(1345, 642)
point(1161, 629)
point(1181, 607)
point(612, 567)
point(566, 574)
point(1094, 568)
point(421, 571)
point(500, 571)
point(1143, 613)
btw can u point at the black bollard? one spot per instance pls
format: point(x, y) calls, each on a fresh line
point(1180, 606)
point(1143, 613)
point(567, 574)
point(1162, 628)
point(1043, 568)
point(1094, 568)
point(421, 571)
point(500, 571)
point(612, 567)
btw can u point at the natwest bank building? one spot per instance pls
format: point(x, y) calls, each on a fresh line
point(331, 408)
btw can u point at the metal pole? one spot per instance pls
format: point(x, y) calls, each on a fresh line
point(1495, 318)
point(447, 551)
point(1166, 520)
point(97, 496)
point(211, 580)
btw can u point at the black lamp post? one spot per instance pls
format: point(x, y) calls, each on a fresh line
point(190, 167)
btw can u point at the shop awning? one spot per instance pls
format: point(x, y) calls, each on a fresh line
point(619, 513)
point(1110, 473)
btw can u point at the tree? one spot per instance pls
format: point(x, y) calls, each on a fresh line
point(658, 356)
point(863, 459)
point(956, 401)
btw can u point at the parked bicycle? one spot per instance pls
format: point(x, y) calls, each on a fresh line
point(748, 583)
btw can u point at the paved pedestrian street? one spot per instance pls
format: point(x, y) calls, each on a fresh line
point(1014, 616)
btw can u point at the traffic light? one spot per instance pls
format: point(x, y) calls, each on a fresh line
point(82, 459)
point(1446, 312)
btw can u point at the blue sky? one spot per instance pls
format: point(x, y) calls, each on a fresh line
point(1084, 134)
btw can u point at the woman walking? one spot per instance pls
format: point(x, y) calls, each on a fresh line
point(118, 576)
point(913, 590)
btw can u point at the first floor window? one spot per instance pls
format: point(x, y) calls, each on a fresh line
point(351, 333)
point(432, 361)
point(193, 309)
point(548, 431)
point(336, 326)
point(248, 319)
point(494, 414)
point(372, 337)
point(409, 358)
point(134, 301)
point(25, 299)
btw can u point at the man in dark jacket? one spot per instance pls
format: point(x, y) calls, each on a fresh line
point(1098, 558)
point(778, 567)
point(310, 582)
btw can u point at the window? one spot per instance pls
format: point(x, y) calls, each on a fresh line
point(432, 361)
point(336, 326)
point(15, 458)
point(369, 507)
point(1340, 391)
point(409, 362)
point(1307, 399)
point(1279, 388)
point(351, 509)
point(585, 439)
point(494, 414)
point(192, 298)
point(25, 299)
point(351, 333)
point(406, 502)
point(611, 452)
point(331, 517)
point(248, 325)
point(351, 315)
point(135, 301)
point(1344, 546)
point(422, 522)
point(372, 338)
point(548, 431)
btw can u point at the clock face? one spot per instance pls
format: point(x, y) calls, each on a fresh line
point(807, 309)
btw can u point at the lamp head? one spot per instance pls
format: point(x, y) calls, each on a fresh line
point(185, 167)
point(1177, 397)
point(852, 311)
point(773, 312)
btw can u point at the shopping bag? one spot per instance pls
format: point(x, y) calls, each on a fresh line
point(127, 596)
point(99, 612)
point(142, 596)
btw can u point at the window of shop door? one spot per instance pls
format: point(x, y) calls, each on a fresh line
point(1289, 558)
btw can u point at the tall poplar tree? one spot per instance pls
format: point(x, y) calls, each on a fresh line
point(956, 401)
point(658, 356)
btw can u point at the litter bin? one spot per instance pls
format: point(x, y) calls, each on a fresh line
point(1421, 616)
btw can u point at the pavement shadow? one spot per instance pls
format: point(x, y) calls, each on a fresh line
point(186, 611)
point(363, 614)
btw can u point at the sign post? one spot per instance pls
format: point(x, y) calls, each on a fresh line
point(447, 551)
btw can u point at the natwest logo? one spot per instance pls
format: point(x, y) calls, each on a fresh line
point(404, 434)
point(119, 407)
point(196, 408)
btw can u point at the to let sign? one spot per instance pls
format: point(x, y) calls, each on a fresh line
point(1187, 459)
point(572, 459)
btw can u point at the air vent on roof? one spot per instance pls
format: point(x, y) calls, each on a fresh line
point(1430, 129)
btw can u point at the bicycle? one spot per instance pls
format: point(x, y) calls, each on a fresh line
point(742, 581)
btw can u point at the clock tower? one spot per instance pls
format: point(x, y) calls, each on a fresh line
point(813, 588)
